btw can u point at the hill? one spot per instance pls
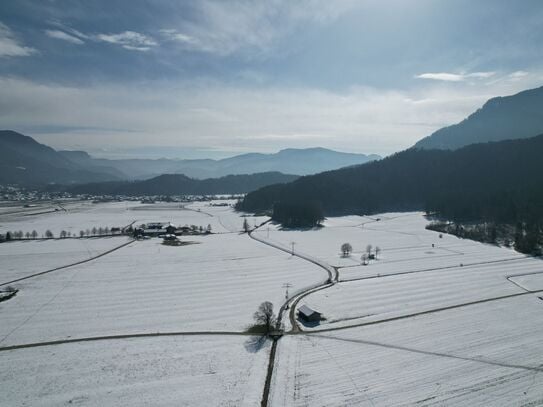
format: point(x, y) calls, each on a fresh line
point(502, 118)
point(289, 161)
point(178, 184)
point(498, 181)
point(26, 162)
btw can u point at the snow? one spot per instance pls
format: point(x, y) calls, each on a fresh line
point(434, 320)
point(23, 258)
point(164, 371)
point(213, 285)
point(489, 354)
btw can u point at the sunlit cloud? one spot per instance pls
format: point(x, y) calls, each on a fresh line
point(61, 35)
point(453, 77)
point(130, 40)
point(10, 46)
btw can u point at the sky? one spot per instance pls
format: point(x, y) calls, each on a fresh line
point(193, 79)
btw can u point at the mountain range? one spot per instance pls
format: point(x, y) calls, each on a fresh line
point(501, 118)
point(179, 184)
point(288, 161)
point(25, 162)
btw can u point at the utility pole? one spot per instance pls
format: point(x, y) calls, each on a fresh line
point(292, 244)
point(286, 286)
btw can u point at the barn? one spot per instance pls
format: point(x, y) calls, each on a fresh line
point(307, 314)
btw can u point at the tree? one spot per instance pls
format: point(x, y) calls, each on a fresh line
point(87, 232)
point(346, 249)
point(265, 316)
point(208, 228)
point(49, 234)
point(27, 235)
point(364, 259)
point(377, 251)
point(94, 231)
point(8, 236)
point(368, 249)
point(81, 233)
point(34, 234)
point(63, 234)
point(246, 227)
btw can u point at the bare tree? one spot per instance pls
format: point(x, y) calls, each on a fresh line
point(81, 233)
point(34, 234)
point(346, 249)
point(63, 234)
point(27, 235)
point(94, 231)
point(87, 232)
point(208, 228)
point(377, 251)
point(368, 249)
point(265, 316)
point(49, 234)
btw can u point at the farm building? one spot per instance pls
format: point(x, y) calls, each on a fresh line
point(308, 314)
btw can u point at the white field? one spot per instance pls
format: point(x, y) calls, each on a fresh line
point(483, 353)
point(23, 258)
point(215, 285)
point(166, 371)
point(486, 355)
point(86, 215)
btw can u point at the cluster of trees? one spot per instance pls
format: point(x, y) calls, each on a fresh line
point(369, 254)
point(525, 237)
point(48, 234)
point(294, 214)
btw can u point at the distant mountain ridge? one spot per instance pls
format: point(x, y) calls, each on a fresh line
point(24, 161)
point(502, 118)
point(289, 161)
point(179, 184)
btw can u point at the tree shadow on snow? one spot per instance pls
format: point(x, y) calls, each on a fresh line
point(253, 344)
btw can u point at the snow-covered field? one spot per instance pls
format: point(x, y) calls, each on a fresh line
point(163, 371)
point(434, 320)
point(22, 258)
point(486, 355)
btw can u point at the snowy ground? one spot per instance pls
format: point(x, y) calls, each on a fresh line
point(485, 355)
point(433, 321)
point(22, 258)
point(169, 371)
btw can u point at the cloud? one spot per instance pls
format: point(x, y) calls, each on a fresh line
point(223, 28)
point(130, 40)
point(61, 35)
point(10, 46)
point(518, 75)
point(452, 77)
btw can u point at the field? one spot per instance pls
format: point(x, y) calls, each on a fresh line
point(433, 320)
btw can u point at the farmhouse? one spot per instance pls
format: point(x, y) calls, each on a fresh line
point(308, 314)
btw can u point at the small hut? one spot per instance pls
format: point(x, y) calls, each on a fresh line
point(309, 315)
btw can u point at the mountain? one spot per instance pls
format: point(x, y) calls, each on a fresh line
point(502, 118)
point(179, 184)
point(26, 162)
point(499, 181)
point(291, 161)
